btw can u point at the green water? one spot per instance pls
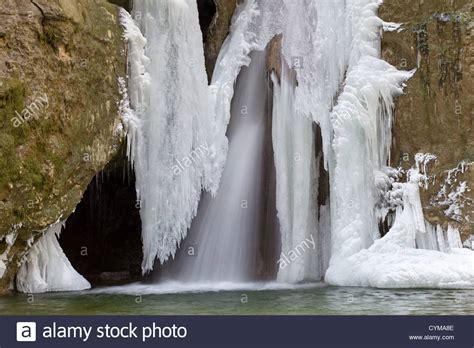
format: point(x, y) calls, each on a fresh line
point(317, 300)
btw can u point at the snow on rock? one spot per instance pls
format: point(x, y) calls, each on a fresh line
point(454, 194)
point(46, 267)
point(422, 161)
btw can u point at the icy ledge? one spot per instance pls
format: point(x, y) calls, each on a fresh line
point(47, 268)
point(387, 265)
point(394, 262)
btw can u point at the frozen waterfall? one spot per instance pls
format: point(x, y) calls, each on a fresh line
point(332, 76)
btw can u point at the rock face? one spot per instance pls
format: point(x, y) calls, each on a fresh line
point(435, 115)
point(218, 30)
point(126, 4)
point(59, 122)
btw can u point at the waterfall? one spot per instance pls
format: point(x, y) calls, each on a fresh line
point(222, 241)
point(332, 76)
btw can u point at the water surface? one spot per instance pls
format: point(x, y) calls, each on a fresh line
point(269, 299)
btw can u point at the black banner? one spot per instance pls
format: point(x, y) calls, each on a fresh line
point(237, 331)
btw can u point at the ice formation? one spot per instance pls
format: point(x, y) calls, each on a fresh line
point(332, 75)
point(454, 194)
point(294, 147)
point(46, 267)
point(172, 120)
point(166, 123)
point(394, 261)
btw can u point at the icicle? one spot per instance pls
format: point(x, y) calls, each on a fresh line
point(9, 240)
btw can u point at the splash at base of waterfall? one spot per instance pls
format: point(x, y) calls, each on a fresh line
point(175, 287)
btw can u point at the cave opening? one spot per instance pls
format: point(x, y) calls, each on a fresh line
point(102, 238)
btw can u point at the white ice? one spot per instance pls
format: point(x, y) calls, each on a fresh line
point(394, 261)
point(297, 182)
point(9, 240)
point(172, 122)
point(46, 267)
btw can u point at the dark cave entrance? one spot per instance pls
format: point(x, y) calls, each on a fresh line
point(207, 10)
point(102, 238)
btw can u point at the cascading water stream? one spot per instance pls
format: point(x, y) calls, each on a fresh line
point(223, 238)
